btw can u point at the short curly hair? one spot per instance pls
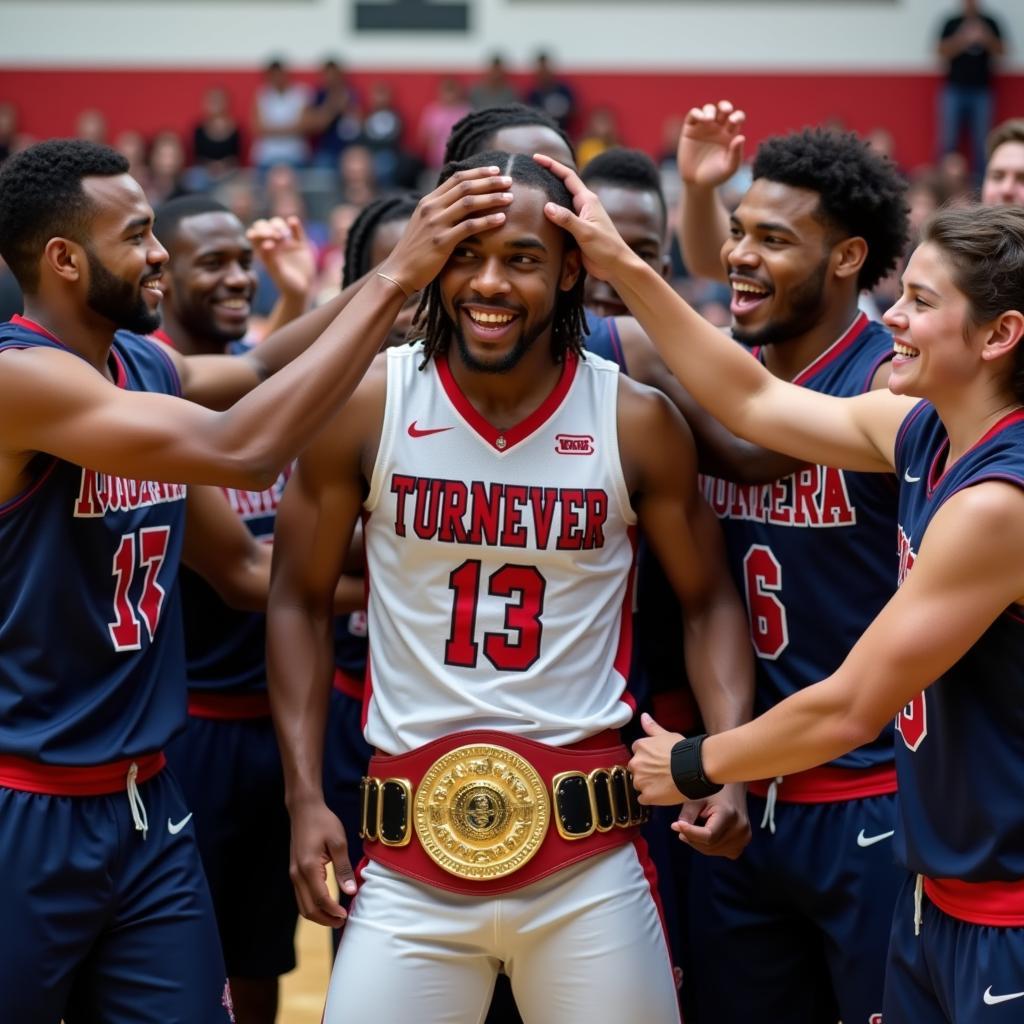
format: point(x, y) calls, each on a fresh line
point(41, 197)
point(625, 168)
point(861, 193)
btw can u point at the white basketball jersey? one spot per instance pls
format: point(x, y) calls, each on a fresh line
point(499, 563)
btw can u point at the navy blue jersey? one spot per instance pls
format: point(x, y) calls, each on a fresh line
point(225, 647)
point(350, 644)
point(961, 750)
point(90, 620)
point(603, 339)
point(812, 553)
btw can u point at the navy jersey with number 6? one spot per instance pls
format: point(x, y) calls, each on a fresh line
point(812, 553)
point(960, 759)
point(90, 624)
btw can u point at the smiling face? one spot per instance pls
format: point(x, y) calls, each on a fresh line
point(640, 218)
point(1004, 176)
point(124, 260)
point(212, 280)
point(777, 258)
point(932, 346)
point(500, 288)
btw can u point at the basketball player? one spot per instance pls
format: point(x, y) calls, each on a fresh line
point(795, 928)
point(500, 474)
point(944, 655)
point(107, 915)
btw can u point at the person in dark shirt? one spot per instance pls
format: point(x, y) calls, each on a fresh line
point(968, 43)
point(551, 94)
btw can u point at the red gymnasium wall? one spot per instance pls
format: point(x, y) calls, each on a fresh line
point(149, 101)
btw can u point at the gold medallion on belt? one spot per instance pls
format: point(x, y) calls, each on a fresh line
point(481, 811)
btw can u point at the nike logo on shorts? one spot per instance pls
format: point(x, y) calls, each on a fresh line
point(863, 840)
point(910, 479)
point(175, 827)
point(991, 1000)
point(415, 431)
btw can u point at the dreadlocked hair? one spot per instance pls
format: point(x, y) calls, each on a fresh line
point(385, 210)
point(569, 325)
point(860, 193)
point(477, 129)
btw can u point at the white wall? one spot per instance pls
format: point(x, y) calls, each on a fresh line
point(799, 35)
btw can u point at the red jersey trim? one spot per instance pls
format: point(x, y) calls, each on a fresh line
point(120, 377)
point(521, 430)
point(348, 684)
point(624, 651)
point(998, 427)
point(999, 904)
point(227, 706)
point(828, 784)
point(834, 351)
point(163, 337)
point(76, 780)
point(555, 853)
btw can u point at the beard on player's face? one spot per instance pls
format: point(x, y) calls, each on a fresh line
point(805, 307)
point(119, 301)
point(508, 360)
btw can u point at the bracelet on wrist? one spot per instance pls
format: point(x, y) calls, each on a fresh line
point(398, 284)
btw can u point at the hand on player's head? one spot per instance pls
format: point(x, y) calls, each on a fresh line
point(710, 144)
point(602, 246)
point(467, 203)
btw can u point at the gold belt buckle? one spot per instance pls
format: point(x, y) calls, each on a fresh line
point(481, 811)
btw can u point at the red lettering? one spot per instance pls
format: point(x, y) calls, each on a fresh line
point(484, 512)
point(571, 536)
point(514, 534)
point(543, 500)
point(453, 508)
point(401, 487)
point(835, 502)
point(428, 502)
point(596, 517)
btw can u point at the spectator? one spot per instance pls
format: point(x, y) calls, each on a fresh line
point(968, 42)
point(277, 120)
point(132, 146)
point(494, 89)
point(550, 94)
point(216, 140)
point(166, 167)
point(1004, 171)
point(8, 129)
point(600, 134)
point(437, 120)
point(358, 177)
point(333, 116)
point(382, 134)
point(91, 125)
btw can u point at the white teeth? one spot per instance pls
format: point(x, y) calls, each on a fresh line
point(490, 318)
point(234, 303)
point(752, 289)
point(903, 350)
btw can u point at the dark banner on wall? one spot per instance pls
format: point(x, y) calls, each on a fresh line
point(410, 16)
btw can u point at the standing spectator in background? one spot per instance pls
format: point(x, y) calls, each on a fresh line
point(968, 43)
point(166, 167)
point(382, 134)
point(8, 129)
point(550, 94)
point(332, 118)
point(277, 120)
point(1004, 172)
point(438, 119)
point(601, 133)
point(216, 140)
point(91, 125)
point(132, 146)
point(494, 89)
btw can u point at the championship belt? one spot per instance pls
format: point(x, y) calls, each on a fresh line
point(472, 812)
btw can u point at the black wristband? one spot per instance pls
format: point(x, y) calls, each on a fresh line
point(688, 770)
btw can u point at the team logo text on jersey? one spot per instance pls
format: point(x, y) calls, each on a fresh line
point(253, 504)
point(574, 444)
point(907, 556)
point(816, 496)
point(496, 514)
point(100, 493)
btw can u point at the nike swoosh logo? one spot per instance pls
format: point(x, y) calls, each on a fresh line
point(415, 431)
point(175, 828)
point(910, 479)
point(991, 1000)
point(863, 840)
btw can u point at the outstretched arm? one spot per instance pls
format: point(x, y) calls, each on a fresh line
point(855, 433)
point(709, 154)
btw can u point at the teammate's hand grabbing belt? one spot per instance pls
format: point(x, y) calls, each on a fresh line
point(472, 812)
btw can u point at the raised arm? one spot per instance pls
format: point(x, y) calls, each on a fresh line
point(855, 433)
point(315, 520)
point(687, 541)
point(709, 154)
point(51, 401)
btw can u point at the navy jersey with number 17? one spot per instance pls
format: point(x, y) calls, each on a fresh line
point(960, 755)
point(90, 624)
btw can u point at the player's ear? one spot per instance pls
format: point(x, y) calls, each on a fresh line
point(65, 258)
point(848, 256)
point(572, 263)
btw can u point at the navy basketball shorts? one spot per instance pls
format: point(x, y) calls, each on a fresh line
point(100, 923)
point(796, 930)
point(953, 970)
point(230, 773)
